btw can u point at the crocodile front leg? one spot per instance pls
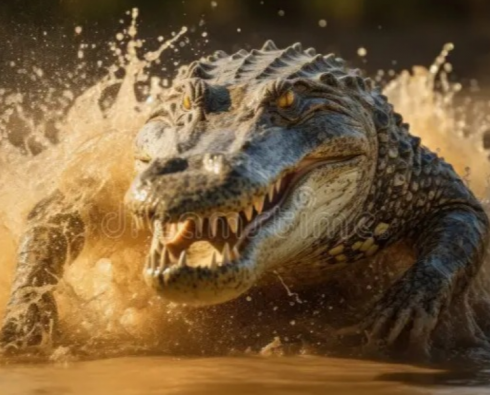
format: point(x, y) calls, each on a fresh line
point(55, 235)
point(450, 246)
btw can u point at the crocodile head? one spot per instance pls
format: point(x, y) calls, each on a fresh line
point(251, 163)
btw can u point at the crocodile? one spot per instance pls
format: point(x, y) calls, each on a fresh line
point(273, 160)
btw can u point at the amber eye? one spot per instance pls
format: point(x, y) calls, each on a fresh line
point(286, 99)
point(186, 103)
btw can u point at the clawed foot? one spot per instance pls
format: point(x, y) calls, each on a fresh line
point(30, 323)
point(415, 304)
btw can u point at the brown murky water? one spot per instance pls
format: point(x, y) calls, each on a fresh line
point(238, 376)
point(107, 310)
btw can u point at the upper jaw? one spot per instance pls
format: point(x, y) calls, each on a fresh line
point(237, 187)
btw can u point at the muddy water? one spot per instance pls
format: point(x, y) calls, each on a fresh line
point(239, 376)
point(105, 308)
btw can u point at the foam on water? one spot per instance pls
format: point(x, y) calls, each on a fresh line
point(102, 298)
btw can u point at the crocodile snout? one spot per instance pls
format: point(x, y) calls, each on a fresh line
point(169, 190)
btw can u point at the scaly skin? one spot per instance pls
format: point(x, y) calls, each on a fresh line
point(54, 236)
point(340, 173)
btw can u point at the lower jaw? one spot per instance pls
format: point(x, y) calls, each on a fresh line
point(203, 285)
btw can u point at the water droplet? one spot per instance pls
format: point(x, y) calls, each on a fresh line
point(322, 23)
point(362, 51)
point(448, 47)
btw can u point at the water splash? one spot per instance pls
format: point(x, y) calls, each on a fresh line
point(82, 145)
point(427, 100)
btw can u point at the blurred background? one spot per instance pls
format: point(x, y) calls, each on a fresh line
point(396, 34)
point(52, 50)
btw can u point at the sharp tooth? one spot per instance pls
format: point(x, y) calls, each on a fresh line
point(213, 224)
point(155, 243)
point(153, 260)
point(278, 184)
point(147, 218)
point(249, 212)
point(271, 193)
point(214, 261)
point(183, 259)
point(154, 254)
point(157, 229)
point(181, 225)
point(259, 204)
point(226, 253)
point(164, 260)
point(174, 229)
point(233, 222)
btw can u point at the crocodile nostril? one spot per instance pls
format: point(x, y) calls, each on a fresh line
point(174, 165)
point(213, 162)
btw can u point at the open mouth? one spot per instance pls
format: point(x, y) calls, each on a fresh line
point(227, 234)
point(223, 268)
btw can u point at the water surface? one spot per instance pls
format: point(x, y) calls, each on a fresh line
point(236, 376)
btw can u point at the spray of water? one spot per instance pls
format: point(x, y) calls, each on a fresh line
point(102, 299)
